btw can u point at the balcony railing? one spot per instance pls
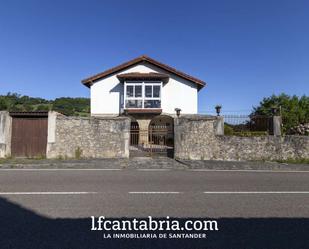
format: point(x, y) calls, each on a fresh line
point(143, 104)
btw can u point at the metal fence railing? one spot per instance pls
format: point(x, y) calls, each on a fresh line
point(247, 125)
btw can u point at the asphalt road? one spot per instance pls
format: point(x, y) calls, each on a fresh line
point(251, 207)
point(179, 193)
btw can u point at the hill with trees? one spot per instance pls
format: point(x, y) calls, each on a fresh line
point(66, 105)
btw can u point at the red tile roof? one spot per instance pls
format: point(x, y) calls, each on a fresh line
point(89, 81)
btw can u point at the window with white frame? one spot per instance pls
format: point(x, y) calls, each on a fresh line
point(142, 94)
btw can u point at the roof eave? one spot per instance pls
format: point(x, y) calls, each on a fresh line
point(90, 80)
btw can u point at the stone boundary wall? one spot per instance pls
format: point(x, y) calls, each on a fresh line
point(93, 137)
point(195, 139)
point(5, 134)
point(263, 148)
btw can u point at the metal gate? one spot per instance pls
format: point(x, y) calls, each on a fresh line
point(29, 136)
point(155, 141)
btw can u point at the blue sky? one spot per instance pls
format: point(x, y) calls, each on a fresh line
point(244, 50)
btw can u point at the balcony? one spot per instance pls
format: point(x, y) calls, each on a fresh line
point(143, 96)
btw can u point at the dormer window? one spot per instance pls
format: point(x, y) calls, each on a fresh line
point(142, 94)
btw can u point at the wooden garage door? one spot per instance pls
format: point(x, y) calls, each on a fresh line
point(29, 136)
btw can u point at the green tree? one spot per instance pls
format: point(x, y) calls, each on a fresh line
point(3, 104)
point(42, 107)
point(72, 106)
point(64, 106)
point(294, 110)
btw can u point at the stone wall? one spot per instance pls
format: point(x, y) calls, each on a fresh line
point(195, 139)
point(5, 134)
point(263, 148)
point(88, 137)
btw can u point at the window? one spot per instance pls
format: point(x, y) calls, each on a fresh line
point(148, 91)
point(152, 103)
point(133, 94)
point(156, 91)
point(152, 95)
point(134, 91)
point(138, 91)
point(130, 91)
point(131, 103)
point(143, 94)
point(152, 91)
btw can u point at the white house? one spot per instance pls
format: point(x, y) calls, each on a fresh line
point(146, 90)
point(143, 85)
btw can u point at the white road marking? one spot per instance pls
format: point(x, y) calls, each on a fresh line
point(46, 193)
point(154, 192)
point(59, 169)
point(256, 192)
point(249, 170)
point(153, 169)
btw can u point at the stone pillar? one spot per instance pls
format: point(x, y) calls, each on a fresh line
point(143, 124)
point(51, 132)
point(126, 136)
point(277, 121)
point(219, 126)
point(5, 133)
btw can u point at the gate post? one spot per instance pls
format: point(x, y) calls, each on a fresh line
point(219, 126)
point(51, 132)
point(277, 123)
point(5, 134)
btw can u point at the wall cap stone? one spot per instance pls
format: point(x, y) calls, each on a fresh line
point(197, 117)
point(91, 118)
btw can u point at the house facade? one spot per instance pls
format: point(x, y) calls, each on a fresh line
point(142, 85)
point(146, 90)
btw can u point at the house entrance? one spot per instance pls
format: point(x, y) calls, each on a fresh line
point(156, 139)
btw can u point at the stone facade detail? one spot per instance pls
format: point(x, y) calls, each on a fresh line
point(195, 139)
point(90, 137)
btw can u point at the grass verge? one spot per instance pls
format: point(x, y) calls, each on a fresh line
point(296, 161)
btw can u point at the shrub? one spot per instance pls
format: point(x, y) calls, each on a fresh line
point(228, 130)
point(250, 133)
point(78, 153)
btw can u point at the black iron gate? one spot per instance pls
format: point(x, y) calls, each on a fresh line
point(155, 141)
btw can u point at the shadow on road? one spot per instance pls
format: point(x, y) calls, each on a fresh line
point(22, 228)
